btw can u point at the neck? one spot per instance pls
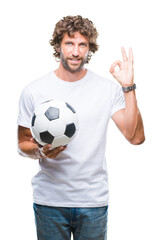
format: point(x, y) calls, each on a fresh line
point(65, 75)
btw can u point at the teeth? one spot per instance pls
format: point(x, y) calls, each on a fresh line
point(75, 59)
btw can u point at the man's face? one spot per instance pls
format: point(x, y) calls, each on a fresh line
point(74, 52)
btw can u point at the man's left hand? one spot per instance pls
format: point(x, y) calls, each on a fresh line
point(125, 74)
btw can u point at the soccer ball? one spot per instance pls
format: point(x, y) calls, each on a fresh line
point(54, 122)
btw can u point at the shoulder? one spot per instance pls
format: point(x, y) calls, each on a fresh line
point(37, 84)
point(40, 81)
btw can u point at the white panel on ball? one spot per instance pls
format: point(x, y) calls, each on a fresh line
point(66, 115)
point(41, 123)
point(56, 127)
point(61, 140)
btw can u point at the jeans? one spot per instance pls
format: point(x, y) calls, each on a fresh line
point(57, 223)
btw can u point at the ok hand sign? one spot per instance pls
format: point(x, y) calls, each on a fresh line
point(125, 75)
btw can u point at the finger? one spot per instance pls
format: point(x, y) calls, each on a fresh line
point(111, 70)
point(60, 149)
point(130, 56)
point(49, 150)
point(124, 55)
point(116, 63)
point(53, 154)
point(46, 148)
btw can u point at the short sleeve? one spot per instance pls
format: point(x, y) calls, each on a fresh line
point(118, 99)
point(26, 108)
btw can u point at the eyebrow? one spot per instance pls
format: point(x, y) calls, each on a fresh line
point(66, 41)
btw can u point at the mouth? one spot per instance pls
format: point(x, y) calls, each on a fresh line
point(74, 60)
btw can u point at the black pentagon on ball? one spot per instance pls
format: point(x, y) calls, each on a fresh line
point(52, 113)
point(70, 107)
point(46, 137)
point(33, 120)
point(70, 130)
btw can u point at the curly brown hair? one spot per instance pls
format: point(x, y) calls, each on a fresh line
point(70, 25)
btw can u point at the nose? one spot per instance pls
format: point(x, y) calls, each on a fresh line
point(75, 52)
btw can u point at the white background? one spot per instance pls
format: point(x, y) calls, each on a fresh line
point(135, 177)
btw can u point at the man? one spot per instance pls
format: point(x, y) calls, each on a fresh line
point(71, 189)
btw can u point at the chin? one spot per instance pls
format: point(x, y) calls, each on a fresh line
point(75, 69)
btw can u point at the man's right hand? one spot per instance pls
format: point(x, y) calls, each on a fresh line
point(28, 147)
point(47, 152)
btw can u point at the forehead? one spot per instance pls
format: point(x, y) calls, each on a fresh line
point(77, 37)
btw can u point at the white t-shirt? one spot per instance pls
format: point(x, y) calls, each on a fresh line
point(77, 177)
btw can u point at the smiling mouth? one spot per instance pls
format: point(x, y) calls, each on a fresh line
point(74, 60)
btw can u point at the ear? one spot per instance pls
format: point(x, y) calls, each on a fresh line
point(89, 54)
point(58, 49)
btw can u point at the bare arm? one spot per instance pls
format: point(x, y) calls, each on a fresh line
point(27, 147)
point(136, 134)
point(128, 120)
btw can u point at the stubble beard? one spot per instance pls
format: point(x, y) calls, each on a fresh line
point(66, 65)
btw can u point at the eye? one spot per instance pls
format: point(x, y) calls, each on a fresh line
point(83, 44)
point(68, 43)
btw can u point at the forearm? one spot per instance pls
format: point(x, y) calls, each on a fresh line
point(134, 130)
point(131, 113)
point(139, 136)
point(29, 149)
